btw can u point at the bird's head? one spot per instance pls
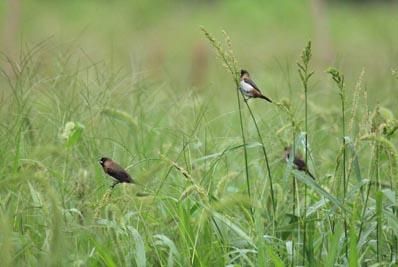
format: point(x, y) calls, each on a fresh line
point(103, 160)
point(244, 73)
point(287, 152)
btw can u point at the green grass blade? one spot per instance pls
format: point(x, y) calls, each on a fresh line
point(333, 246)
point(379, 219)
point(302, 177)
point(238, 230)
point(140, 257)
point(355, 160)
point(174, 255)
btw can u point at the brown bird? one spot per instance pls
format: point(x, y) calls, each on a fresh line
point(113, 169)
point(298, 162)
point(249, 88)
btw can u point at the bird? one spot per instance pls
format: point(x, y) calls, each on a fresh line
point(116, 171)
point(298, 162)
point(249, 88)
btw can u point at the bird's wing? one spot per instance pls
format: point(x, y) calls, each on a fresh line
point(118, 173)
point(300, 164)
point(249, 81)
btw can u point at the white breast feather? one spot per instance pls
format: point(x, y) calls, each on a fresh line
point(245, 86)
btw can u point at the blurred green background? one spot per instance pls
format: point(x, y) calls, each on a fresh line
point(162, 38)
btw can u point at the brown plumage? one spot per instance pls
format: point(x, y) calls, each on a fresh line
point(298, 162)
point(113, 169)
point(249, 88)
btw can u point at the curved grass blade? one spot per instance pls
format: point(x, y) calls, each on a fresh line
point(173, 252)
point(317, 188)
point(140, 258)
point(234, 228)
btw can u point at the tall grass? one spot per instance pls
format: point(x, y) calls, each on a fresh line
point(231, 63)
point(305, 75)
point(338, 78)
point(204, 206)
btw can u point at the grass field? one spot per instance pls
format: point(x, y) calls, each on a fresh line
point(144, 84)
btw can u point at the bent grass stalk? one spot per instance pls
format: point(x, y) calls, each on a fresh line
point(265, 156)
point(230, 62)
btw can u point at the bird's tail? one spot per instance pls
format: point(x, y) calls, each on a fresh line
point(310, 174)
point(266, 98)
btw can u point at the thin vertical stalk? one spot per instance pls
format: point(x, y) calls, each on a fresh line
point(344, 164)
point(294, 205)
point(365, 206)
point(305, 84)
point(295, 196)
point(378, 206)
point(305, 75)
point(244, 146)
point(265, 157)
point(339, 80)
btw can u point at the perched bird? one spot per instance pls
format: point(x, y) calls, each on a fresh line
point(298, 162)
point(249, 88)
point(113, 169)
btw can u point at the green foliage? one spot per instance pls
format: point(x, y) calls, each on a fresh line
point(384, 122)
point(61, 110)
point(72, 133)
point(303, 70)
point(338, 78)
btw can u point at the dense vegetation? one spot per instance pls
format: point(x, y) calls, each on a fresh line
point(215, 187)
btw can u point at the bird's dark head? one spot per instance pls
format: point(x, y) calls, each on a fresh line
point(103, 160)
point(244, 73)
